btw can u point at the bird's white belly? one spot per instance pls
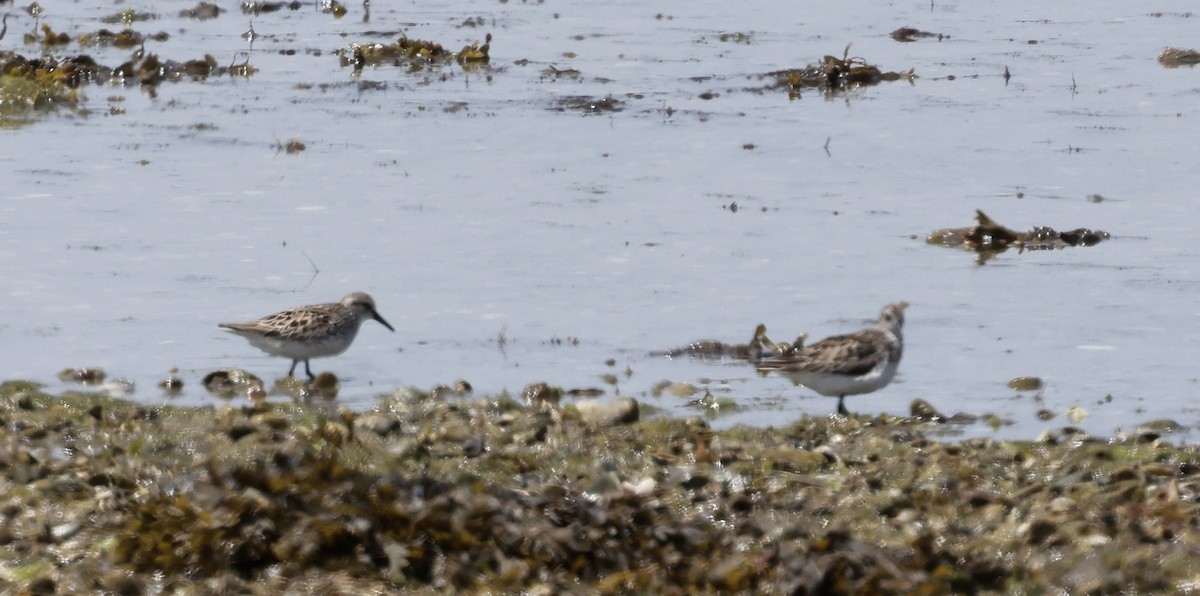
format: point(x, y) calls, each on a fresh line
point(299, 350)
point(837, 385)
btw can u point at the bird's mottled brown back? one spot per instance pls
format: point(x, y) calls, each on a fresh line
point(852, 355)
point(301, 323)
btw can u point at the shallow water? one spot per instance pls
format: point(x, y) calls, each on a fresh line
point(473, 210)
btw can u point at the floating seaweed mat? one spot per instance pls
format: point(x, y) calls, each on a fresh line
point(44, 83)
point(1175, 57)
point(414, 53)
point(833, 75)
point(988, 238)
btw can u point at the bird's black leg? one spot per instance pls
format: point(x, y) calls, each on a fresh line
point(292, 370)
point(311, 377)
point(842, 406)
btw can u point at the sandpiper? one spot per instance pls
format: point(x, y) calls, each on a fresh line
point(313, 331)
point(849, 364)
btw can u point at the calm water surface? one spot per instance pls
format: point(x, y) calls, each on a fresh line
point(472, 209)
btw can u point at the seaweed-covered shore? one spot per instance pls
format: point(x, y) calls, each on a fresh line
point(435, 495)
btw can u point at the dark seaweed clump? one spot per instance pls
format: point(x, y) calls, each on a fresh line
point(835, 75)
point(415, 54)
point(910, 34)
point(52, 80)
point(588, 105)
point(47, 82)
point(987, 238)
point(1176, 57)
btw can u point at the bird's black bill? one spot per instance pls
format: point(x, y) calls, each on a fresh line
point(375, 315)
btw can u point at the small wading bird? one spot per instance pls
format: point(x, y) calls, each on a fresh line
point(313, 331)
point(849, 364)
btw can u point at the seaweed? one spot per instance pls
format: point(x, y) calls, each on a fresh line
point(414, 54)
point(835, 75)
point(987, 238)
point(1175, 57)
point(424, 494)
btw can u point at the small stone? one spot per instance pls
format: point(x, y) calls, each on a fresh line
point(623, 410)
point(87, 376)
point(171, 385)
point(34, 433)
point(241, 429)
point(1160, 426)
point(42, 585)
point(124, 583)
point(540, 395)
point(256, 394)
point(1040, 530)
point(645, 487)
point(605, 483)
point(1062, 505)
point(327, 385)
point(962, 418)
point(1025, 384)
point(799, 461)
point(379, 424)
point(923, 410)
point(118, 387)
point(273, 420)
point(735, 574)
point(682, 389)
point(64, 531)
point(474, 446)
point(228, 383)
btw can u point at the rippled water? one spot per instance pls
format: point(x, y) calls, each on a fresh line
point(512, 241)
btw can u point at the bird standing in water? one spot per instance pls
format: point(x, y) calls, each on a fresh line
point(314, 331)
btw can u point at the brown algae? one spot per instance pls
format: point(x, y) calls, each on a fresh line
point(987, 238)
point(424, 494)
point(835, 75)
point(414, 54)
point(1175, 57)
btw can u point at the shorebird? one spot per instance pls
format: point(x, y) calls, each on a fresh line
point(850, 364)
point(313, 331)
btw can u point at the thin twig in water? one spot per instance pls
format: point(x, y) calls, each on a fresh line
point(316, 270)
point(249, 35)
point(233, 62)
point(501, 341)
point(826, 147)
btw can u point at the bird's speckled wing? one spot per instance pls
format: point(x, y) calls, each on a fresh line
point(851, 355)
point(292, 324)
